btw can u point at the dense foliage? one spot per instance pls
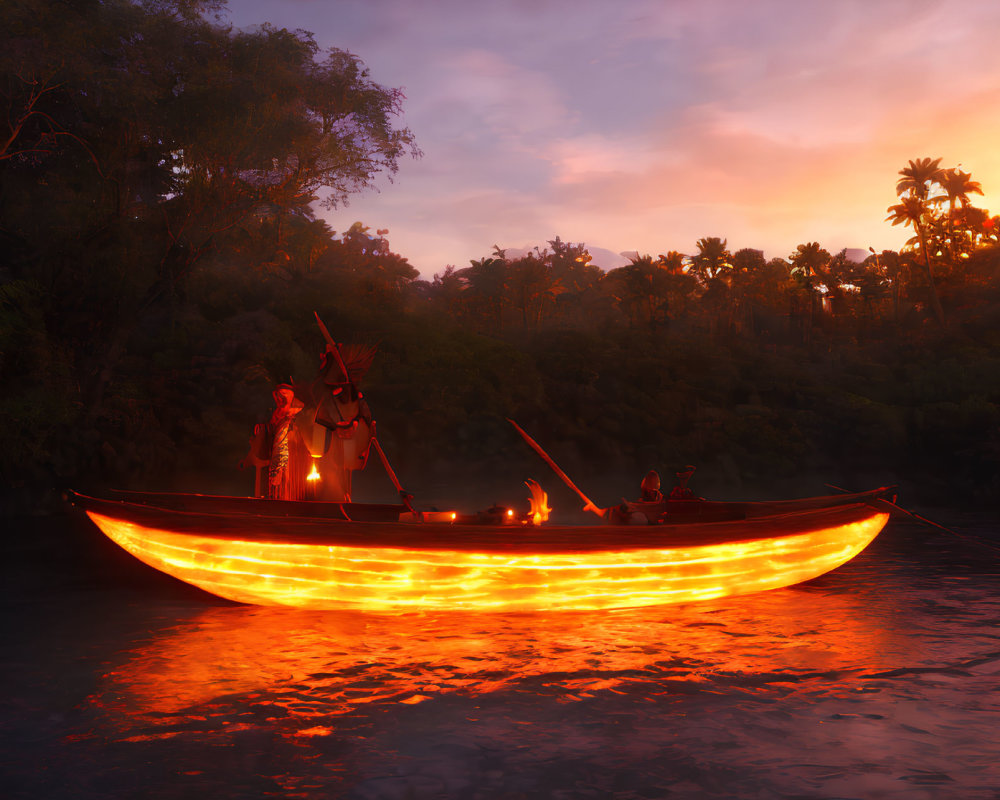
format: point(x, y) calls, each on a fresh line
point(161, 262)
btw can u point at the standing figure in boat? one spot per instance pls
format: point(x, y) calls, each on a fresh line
point(277, 450)
point(319, 433)
point(337, 427)
point(285, 478)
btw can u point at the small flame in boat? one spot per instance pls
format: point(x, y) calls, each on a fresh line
point(314, 474)
point(538, 511)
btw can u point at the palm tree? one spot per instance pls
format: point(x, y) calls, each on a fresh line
point(672, 262)
point(645, 284)
point(675, 286)
point(808, 259)
point(917, 178)
point(711, 265)
point(748, 260)
point(448, 289)
point(913, 211)
point(958, 186)
point(532, 284)
point(807, 263)
point(624, 288)
point(916, 209)
point(487, 281)
point(746, 264)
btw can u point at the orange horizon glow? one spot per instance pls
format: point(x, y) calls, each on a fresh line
point(317, 576)
point(750, 126)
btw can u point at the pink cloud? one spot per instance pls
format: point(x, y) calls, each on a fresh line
point(644, 125)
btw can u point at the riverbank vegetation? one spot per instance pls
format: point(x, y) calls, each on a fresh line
point(162, 258)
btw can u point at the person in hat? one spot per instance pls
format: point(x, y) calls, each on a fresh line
point(283, 482)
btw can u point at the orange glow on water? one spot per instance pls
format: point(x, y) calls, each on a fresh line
point(339, 662)
point(338, 576)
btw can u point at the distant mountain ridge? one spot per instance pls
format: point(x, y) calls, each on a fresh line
point(600, 256)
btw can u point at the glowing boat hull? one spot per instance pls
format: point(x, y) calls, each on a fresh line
point(329, 563)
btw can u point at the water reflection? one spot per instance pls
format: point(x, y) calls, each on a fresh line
point(879, 679)
point(322, 663)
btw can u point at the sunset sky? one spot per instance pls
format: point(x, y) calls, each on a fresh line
point(645, 125)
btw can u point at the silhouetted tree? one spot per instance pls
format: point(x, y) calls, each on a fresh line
point(916, 208)
point(532, 287)
point(913, 211)
point(746, 265)
point(139, 139)
point(487, 280)
point(711, 260)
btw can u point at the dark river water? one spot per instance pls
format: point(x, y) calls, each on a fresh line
point(878, 680)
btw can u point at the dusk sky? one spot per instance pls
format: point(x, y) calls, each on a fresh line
point(644, 126)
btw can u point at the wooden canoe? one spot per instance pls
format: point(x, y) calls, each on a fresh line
point(311, 556)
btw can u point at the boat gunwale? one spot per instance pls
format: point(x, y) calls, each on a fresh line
point(488, 539)
point(680, 512)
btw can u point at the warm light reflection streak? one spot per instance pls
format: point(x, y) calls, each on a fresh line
point(296, 666)
point(321, 576)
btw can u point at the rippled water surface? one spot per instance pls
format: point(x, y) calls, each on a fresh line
point(879, 680)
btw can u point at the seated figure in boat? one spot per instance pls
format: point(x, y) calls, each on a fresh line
point(337, 426)
point(277, 450)
point(652, 506)
point(650, 488)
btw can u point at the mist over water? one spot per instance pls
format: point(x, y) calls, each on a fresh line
point(879, 680)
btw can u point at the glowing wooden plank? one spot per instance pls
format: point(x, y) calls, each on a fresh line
point(320, 576)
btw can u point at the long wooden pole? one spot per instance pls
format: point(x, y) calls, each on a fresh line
point(395, 481)
point(890, 506)
point(334, 347)
point(555, 468)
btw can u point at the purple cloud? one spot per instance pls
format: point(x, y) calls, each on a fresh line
point(643, 125)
